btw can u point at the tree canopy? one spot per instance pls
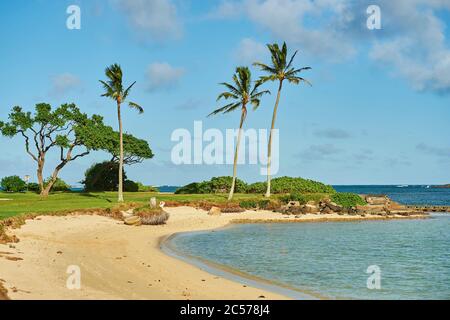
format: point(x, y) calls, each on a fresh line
point(69, 131)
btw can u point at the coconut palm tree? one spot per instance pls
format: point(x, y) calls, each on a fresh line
point(241, 93)
point(279, 70)
point(114, 89)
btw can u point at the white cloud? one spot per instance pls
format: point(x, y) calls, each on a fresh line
point(63, 83)
point(157, 19)
point(162, 75)
point(226, 10)
point(412, 43)
point(249, 51)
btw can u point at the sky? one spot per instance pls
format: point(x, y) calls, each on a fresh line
point(377, 111)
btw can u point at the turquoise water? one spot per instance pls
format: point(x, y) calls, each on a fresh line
point(331, 259)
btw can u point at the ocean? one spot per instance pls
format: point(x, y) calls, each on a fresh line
point(411, 258)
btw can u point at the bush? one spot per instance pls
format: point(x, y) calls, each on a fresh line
point(299, 185)
point(13, 184)
point(263, 204)
point(130, 186)
point(279, 185)
point(34, 187)
point(142, 188)
point(348, 200)
point(103, 177)
point(215, 185)
point(257, 187)
point(59, 185)
point(249, 204)
point(151, 216)
point(294, 197)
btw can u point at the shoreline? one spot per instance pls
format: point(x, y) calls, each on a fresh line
point(123, 262)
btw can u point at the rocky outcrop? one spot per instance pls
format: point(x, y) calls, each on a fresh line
point(376, 205)
point(214, 211)
point(133, 221)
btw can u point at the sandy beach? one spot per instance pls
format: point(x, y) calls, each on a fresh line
point(122, 262)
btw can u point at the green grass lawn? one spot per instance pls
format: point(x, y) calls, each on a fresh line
point(22, 203)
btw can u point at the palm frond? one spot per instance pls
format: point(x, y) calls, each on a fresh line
point(108, 90)
point(293, 72)
point(297, 80)
point(136, 106)
point(265, 67)
point(292, 59)
point(227, 95)
point(232, 88)
point(224, 109)
point(127, 91)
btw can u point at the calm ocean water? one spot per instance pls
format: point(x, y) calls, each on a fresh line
point(420, 195)
point(331, 259)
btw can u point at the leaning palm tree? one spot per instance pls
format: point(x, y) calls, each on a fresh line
point(114, 90)
point(279, 70)
point(241, 93)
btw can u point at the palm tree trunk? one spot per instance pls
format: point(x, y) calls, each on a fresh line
point(269, 151)
point(236, 152)
point(120, 193)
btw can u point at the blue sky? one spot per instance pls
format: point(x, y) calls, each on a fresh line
point(377, 113)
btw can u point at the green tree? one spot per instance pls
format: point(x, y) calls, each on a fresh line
point(59, 185)
point(13, 184)
point(66, 129)
point(241, 93)
point(114, 89)
point(134, 150)
point(102, 177)
point(281, 69)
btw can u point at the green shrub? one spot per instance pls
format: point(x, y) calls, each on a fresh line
point(300, 185)
point(13, 184)
point(263, 204)
point(58, 186)
point(103, 177)
point(143, 188)
point(215, 185)
point(249, 204)
point(257, 188)
point(130, 186)
point(348, 200)
point(33, 187)
point(302, 199)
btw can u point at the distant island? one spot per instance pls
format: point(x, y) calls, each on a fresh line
point(445, 186)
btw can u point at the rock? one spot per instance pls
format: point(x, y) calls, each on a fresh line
point(294, 204)
point(371, 209)
point(127, 214)
point(326, 210)
point(153, 203)
point(296, 210)
point(311, 208)
point(214, 211)
point(133, 221)
point(334, 206)
point(377, 200)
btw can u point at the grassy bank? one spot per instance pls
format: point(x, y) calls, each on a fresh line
point(23, 203)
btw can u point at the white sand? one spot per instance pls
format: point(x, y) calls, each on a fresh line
point(118, 261)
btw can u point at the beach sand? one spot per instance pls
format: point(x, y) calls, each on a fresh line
point(121, 262)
